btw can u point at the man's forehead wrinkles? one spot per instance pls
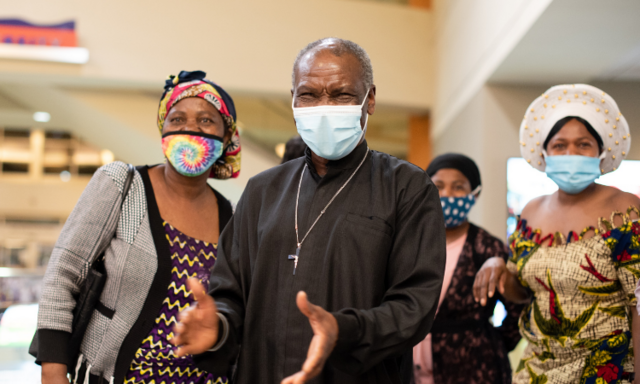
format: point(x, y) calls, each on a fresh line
point(326, 78)
point(336, 83)
point(323, 73)
point(322, 67)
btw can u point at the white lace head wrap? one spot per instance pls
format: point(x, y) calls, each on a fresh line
point(582, 100)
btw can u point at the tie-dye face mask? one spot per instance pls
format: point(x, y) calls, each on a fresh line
point(191, 153)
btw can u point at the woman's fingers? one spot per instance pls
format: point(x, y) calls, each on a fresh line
point(178, 332)
point(484, 288)
point(491, 284)
point(492, 275)
point(184, 316)
point(202, 298)
point(503, 281)
point(494, 279)
point(194, 285)
point(182, 351)
point(478, 284)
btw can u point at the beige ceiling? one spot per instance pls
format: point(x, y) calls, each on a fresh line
point(577, 41)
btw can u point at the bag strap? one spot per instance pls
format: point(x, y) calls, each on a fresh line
point(107, 235)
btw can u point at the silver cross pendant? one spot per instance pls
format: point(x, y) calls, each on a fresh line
point(295, 260)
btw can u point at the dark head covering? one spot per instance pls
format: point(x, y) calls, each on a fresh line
point(562, 122)
point(293, 149)
point(457, 161)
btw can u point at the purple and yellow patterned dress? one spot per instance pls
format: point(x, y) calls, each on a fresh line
point(578, 323)
point(155, 360)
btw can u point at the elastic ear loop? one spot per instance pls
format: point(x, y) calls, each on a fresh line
point(366, 118)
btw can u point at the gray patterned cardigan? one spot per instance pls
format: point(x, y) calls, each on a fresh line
point(138, 267)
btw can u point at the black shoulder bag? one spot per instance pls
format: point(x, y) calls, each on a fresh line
point(89, 297)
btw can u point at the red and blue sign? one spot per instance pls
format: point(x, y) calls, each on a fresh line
point(16, 31)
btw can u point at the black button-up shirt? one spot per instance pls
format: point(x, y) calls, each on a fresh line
point(375, 260)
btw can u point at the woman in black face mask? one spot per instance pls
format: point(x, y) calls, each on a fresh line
point(575, 254)
point(463, 345)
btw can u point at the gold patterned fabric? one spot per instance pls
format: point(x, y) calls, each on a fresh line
point(155, 362)
point(578, 322)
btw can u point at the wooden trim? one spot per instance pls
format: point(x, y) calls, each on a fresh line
point(424, 4)
point(420, 146)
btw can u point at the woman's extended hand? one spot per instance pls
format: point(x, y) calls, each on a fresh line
point(54, 373)
point(197, 331)
point(493, 274)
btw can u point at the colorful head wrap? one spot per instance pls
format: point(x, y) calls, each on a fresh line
point(194, 84)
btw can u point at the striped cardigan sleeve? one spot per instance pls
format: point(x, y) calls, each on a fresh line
point(71, 257)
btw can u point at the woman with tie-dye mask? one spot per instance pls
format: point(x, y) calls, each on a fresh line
point(463, 345)
point(168, 231)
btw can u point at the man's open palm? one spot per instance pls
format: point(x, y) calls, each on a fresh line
point(325, 335)
point(197, 330)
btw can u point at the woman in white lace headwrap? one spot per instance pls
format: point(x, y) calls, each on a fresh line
point(575, 255)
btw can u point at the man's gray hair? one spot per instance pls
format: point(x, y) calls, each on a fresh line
point(340, 47)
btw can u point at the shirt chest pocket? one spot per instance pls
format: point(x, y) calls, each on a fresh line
point(371, 223)
point(362, 250)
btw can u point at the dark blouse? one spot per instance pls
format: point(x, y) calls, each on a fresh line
point(466, 347)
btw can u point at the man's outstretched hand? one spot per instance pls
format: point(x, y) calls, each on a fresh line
point(325, 335)
point(197, 330)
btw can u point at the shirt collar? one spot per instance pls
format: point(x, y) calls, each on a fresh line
point(350, 161)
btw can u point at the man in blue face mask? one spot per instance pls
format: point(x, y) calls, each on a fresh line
point(358, 233)
point(330, 109)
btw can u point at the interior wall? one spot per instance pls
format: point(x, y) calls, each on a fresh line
point(46, 198)
point(247, 46)
point(244, 45)
point(487, 131)
point(472, 39)
point(627, 96)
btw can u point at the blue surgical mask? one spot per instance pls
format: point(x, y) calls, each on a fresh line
point(573, 173)
point(456, 209)
point(331, 131)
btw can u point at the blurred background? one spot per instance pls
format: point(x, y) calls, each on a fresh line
point(80, 83)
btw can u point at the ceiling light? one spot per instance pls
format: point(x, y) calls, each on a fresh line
point(65, 176)
point(42, 117)
point(106, 156)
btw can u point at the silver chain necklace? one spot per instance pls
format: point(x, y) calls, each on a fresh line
point(297, 255)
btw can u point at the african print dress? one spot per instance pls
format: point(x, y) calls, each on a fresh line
point(578, 322)
point(155, 361)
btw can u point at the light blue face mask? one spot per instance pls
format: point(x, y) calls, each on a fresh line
point(331, 131)
point(573, 173)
